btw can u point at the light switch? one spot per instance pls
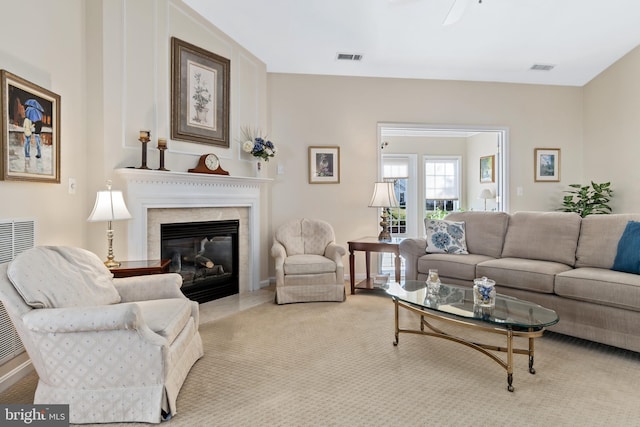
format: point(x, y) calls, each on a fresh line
point(72, 186)
point(519, 191)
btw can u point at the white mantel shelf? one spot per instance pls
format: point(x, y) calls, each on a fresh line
point(152, 189)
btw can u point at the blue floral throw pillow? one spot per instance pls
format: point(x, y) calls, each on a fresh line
point(445, 236)
point(628, 254)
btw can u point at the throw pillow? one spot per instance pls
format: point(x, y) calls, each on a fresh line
point(445, 236)
point(628, 254)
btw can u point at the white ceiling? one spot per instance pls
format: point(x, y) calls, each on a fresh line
point(496, 40)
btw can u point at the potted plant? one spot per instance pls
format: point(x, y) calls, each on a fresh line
point(588, 199)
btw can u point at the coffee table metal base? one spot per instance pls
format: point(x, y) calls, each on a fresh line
point(485, 349)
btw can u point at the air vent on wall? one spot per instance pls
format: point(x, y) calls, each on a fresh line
point(542, 67)
point(349, 57)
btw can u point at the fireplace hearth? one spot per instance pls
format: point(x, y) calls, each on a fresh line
point(205, 254)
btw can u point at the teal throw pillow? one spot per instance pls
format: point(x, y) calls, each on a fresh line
point(445, 236)
point(628, 255)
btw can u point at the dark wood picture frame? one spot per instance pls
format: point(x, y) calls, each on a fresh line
point(199, 95)
point(30, 127)
point(487, 169)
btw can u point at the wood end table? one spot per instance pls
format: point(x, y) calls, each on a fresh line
point(141, 268)
point(368, 245)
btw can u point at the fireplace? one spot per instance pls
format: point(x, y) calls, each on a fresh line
point(205, 254)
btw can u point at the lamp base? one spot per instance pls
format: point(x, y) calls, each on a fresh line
point(110, 263)
point(384, 235)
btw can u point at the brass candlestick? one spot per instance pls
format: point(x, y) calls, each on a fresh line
point(145, 137)
point(162, 146)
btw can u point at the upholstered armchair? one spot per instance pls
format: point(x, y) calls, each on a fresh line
point(114, 350)
point(308, 262)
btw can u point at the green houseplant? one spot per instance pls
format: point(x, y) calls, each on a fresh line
point(588, 199)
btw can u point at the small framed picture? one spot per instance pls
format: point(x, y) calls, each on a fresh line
point(547, 165)
point(199, 95)
point(487, 169)
point(30, 131)
point(324, 165)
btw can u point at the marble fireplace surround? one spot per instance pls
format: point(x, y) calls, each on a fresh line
point(159, 197)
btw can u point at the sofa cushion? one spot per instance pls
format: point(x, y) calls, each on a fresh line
point(308, 264)
point(461, 267)
point(628, 253)
point(445, 236)
point(545, 236)
point(59, 276)
point(166, 317)
point(484, 231)
point(600, 286)
point(526, 274)
point(599, 237)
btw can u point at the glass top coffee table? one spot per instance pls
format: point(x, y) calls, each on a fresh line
point(452, 304)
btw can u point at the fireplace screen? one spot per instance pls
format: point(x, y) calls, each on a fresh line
point(206, 256)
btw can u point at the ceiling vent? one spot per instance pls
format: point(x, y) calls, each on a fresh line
point(542, 67)
point(349, 57)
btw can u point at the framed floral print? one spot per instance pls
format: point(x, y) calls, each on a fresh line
point(30, 127)
point(199, 95)
point(547, 165)
point(324, 165)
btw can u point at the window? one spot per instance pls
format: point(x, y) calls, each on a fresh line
point(396, 170)
point(442, 184)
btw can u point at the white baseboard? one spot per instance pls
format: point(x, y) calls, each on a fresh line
point(15, 375)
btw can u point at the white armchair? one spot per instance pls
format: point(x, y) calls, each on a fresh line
point(308, 262)
point(115, 350)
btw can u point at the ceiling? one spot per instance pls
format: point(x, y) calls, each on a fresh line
point(495, 40)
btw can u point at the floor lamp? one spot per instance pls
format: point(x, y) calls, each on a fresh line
point(109, 207)
point(384, 197)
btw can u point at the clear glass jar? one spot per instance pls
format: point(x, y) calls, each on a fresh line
point(433, 283)
point(484, 292)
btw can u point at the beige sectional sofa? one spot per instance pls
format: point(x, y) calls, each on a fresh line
point(555, 259)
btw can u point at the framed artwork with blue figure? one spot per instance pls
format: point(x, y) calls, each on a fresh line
point(547, 165)
point(324, 165)
point(30, 128)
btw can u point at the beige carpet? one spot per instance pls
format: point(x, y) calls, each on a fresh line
point(333, 364)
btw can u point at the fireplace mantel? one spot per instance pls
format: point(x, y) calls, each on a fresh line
point(152, 189)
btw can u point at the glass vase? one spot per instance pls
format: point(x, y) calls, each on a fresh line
point(433, 283)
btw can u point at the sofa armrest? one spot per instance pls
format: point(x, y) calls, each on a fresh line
point(279, 253)
point(87, 319)
point(335, 252)
point(411, 249)
point(149, 287)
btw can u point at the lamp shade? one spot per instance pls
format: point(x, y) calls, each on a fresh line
point(383, 196)
point(486, 194)
point(109, 206)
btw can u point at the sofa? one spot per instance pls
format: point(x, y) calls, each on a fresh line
point(114, 350)
point(556, 259)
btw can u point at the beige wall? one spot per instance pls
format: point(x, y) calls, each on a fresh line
point(327, 110)
point(612, 131)
point(49, 50)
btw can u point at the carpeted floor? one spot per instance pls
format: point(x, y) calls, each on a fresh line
point(333, 364)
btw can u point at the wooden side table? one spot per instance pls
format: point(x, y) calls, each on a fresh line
point(141, 268)
point(368, 245)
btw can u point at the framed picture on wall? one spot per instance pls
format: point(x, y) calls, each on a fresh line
point(547, 164)
point(487, 169)
point(199, 95)
point(30, 131)
point(324, 165)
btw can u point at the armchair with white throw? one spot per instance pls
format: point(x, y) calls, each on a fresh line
point(308, 262)
point(115, 350)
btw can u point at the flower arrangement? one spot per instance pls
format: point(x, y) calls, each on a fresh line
point(257, 146)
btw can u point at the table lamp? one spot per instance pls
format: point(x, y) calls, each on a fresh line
point(486, 194)
point(109, 207)
point(384, 197)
